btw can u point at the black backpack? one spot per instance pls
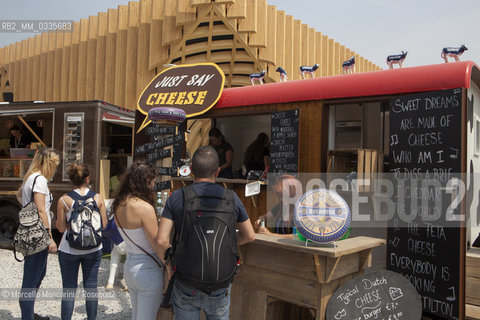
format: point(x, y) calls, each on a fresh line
point(85, 223)
point(206, 252)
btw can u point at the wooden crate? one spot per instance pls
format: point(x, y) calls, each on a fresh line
point(366, 162)
point(472, 290)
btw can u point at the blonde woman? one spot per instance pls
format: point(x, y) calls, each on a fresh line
point(40, 172)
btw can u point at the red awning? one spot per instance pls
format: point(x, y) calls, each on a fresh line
point(375, 83)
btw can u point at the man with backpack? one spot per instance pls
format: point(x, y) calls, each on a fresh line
point(205, 217)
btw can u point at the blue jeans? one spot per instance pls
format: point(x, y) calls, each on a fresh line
point(34, 270)
point(187, 303)
point(144, 279)
point(69, 265)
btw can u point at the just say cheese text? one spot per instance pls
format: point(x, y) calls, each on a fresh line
point(182, 97)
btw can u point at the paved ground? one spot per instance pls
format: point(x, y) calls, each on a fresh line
point(114, 306)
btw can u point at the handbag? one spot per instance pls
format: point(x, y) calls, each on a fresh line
point(32, 236)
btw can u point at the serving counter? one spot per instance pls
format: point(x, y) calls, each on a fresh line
point(282, 275)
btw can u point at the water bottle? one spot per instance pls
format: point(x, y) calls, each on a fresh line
point(159, 206)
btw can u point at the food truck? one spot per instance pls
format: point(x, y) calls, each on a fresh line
point(92, 132)
point(420, 121)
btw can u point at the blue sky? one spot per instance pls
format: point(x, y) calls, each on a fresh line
point(372, 28)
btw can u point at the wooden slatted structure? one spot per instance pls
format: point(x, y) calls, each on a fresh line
point(113, 55)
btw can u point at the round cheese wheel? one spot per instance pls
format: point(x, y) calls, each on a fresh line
point(322, 215)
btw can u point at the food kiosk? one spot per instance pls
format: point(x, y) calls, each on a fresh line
point(92, 132)
point(352, 123)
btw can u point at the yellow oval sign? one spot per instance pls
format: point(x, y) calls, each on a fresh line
point(194, 88)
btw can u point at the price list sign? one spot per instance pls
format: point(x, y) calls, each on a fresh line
point(380, 295)
point(156, 139)
point(424, 243)
point(284, 141)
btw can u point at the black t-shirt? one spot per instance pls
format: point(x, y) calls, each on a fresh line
point(174, 206)
point(24, 141)
point(254, 165)
point(222, 158)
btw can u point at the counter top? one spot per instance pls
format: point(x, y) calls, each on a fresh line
point(343, 247)
point(220, 180)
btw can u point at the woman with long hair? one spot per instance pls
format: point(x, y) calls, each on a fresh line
point(41, 171)
point(70, 258)
point(224, 151)
point(137, 222)
point(257, 155)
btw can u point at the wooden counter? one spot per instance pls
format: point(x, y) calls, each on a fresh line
point(275, 270)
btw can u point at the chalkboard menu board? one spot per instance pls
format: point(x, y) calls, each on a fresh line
point(381, 295)
point(284, 142)
point(152, 143)
point(179, 148)
point(424, 244)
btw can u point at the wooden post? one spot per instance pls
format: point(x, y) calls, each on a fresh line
point(110, 54)
point(91, 70)
point(73, 63)
point(105, 178)
point(100, 60)
point(131, 56)
point(121, 56)
point(57, 69)
point(29, 70)
point(259, 38)
point(82, 60)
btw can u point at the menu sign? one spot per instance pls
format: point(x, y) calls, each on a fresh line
point(381, 295)
point(157, 155)
point(194, 88)
point(163, 185)
point(153, 143)
point(155, 130)
point(158, 144)
point(284, 141)
point(424, 242)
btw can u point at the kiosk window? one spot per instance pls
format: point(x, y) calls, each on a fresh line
point(73, 146)
point(34, 126)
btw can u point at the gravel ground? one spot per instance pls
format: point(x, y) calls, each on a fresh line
point(115, 306)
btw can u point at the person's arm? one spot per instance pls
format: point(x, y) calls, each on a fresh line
point(266, 162)
point(163, 237)
point(150, 226)
point(61, 215)
point(265, 231)
point(39, 199)
point(245, 232)
point(228, 160)
point(103, 209)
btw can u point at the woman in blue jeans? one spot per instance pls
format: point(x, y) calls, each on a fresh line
point(41, 170)
point(70, 258)
point(137, 222)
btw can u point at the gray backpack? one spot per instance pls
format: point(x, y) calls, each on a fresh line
point(32, 236)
